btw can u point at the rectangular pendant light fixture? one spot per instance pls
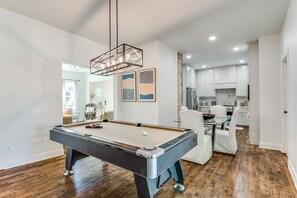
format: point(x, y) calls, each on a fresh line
point(119, 59)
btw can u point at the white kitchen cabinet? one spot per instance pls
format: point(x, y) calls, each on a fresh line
point(242, 73)
point(204, 109)
point(209, 90)
point(225, 74)
point(201, 90)
point(201, 77)
point(243, 119)
point(191, 77)
point(242, 89)
point(208, 76)
point(205, 83)
point(242, 80)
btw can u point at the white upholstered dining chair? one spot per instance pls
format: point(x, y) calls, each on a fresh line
point(218, 111)
point(200, 154)
point(225, 141)
point(183, 108)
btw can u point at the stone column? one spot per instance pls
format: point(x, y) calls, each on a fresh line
point(179, 81)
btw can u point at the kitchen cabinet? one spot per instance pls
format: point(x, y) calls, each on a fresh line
point(201, 90)
point(204, 109)
point(243, 119)
point(209, 90)
point(242, 89)
point(225, 74)
point(191, 77)
point(242, 73)
point(201, 77)
point(208, 76)
point(242, 80)
point(205, 83)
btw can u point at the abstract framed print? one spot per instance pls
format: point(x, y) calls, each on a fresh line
point(147, 85)
point(129, 87)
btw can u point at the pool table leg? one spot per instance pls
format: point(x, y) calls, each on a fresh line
point(178, 176)
point(71, 157)
point(147, 188)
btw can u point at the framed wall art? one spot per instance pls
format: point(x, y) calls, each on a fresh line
point(129, 87)
point(147, 85)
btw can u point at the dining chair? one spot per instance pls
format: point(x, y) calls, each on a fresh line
point(183, 108)
point(218, 111)
point(90, 111)
point(225, 141)
point(200, 154)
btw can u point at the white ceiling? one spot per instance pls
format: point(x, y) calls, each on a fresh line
point(182, 24)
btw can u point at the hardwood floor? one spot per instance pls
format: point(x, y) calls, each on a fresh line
point(253, 172)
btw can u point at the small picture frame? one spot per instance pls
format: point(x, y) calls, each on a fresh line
point(147, 85)
point(128, 87)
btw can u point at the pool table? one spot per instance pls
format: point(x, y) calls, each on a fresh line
point(151, 152)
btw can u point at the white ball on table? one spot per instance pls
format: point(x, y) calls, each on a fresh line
point(144, 133)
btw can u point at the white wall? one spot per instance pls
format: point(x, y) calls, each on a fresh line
point(146, 112)
point(270, 92)
point(289, 42)
point(254, 128)
point(167, 84)
point(32, 54)
point(164, 111)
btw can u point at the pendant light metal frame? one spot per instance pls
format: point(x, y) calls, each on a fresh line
point(119, 59)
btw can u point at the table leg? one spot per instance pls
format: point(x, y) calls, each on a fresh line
point(178, 176)
point(213, 136)
point(71, 157)
point(147, 188)
point(222, 126)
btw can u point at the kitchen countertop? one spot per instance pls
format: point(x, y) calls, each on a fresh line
point(241, 107)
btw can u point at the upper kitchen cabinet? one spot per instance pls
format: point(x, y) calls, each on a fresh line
point(242, 73)
point(205, 83)
point(191, 77)
point(201, 77)
point(225, 74)
point(209, 76)
point(242, 80)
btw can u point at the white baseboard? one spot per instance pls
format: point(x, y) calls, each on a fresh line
point(270, 146)
point(293, 172)
point(32, 158)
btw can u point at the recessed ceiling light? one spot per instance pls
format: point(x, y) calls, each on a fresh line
point(235, 48)
point(241, 61)
point(212, 38)
point(188, 56)
point(203, 66)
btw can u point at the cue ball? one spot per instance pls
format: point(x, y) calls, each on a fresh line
point(144, 133)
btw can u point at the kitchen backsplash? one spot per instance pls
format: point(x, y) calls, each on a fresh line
point(224, 97)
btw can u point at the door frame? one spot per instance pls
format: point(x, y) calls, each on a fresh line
point(284, 100)
point(2, 148)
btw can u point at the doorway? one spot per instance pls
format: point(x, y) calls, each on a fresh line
point(85, 96)
point(284, 76)
point(1, 153)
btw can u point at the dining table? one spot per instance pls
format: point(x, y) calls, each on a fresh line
point(214, 122)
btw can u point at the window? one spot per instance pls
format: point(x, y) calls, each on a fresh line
point(69, 95)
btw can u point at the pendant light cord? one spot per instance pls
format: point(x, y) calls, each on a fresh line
point(117, 15)
point(109, 25)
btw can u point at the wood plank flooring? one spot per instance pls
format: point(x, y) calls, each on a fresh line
point(253, 172)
